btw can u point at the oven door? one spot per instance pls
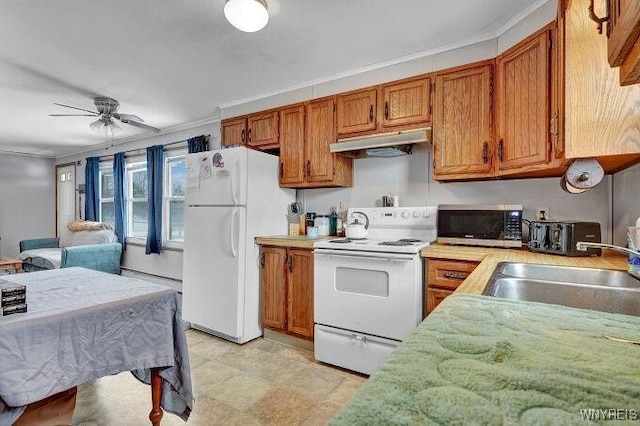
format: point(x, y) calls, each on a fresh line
point(374, 293)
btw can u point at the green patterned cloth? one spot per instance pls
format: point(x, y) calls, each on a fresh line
point(490, 361)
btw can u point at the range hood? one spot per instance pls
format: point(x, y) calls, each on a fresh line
point(382, 144)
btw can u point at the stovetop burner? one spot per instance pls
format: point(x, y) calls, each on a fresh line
point(350, 241)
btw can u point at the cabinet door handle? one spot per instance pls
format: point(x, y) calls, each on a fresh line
point(598, 20)
point(371, 113)
point(308, 167)
point(262, 260)
point(456, 275)
point(501, 149)
point(386, 110)
point(242, 135)
point(290, 263)
point(249, 135)
point(485, 152)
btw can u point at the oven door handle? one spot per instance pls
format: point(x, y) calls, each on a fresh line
point(364, 255)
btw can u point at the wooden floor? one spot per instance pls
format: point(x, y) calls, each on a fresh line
point(258, 383)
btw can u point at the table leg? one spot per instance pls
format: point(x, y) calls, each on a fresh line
point(156, 395)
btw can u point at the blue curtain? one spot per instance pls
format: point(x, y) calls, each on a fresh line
point(119, 191)
point(198, 144)
point(92, 188)
point(155, 165)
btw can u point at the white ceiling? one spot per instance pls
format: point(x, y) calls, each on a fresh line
point(175, 62)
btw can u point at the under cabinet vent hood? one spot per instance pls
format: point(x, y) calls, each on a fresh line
point(382, 144)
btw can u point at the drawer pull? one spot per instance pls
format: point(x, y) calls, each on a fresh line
point(456, 275)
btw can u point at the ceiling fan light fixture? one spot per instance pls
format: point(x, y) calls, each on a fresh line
point(247, 15)
point(97, 125)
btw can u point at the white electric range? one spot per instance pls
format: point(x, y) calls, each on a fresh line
point(368, 293)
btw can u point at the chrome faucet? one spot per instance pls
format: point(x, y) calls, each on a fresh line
point(633, 269)
point(584, 245)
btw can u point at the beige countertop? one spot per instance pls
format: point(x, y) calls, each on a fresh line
point(490, 257)
point(295, 241)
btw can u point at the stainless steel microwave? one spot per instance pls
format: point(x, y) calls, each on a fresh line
point(490, 225)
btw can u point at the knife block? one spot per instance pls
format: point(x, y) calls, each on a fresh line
point(298, 228)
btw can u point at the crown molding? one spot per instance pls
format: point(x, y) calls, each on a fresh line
point(492, 35)
point(146, 135)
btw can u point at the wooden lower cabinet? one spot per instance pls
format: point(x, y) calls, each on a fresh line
point(442, 278)
point(287, 290)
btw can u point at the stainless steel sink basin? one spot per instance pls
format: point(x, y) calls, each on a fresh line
point(586, 288)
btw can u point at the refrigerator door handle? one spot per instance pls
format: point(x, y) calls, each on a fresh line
point(233, 182)
point(234, 251)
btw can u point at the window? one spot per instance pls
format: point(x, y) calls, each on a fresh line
point(174, 189)
point(137, 201)
point(107, 205)
point(136, 196)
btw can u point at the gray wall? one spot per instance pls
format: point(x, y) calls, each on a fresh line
point(626, 202)
point(27, 200)
point(410, 178)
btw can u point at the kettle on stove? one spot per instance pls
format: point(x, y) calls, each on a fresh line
point(357, 230)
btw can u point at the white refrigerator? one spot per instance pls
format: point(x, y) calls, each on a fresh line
point(232, 196)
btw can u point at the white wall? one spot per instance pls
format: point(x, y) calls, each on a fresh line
point(410, 178)
point(169, 262)
point(27, 200)
point(626, 202)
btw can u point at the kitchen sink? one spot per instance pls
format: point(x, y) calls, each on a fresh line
point(586, 288)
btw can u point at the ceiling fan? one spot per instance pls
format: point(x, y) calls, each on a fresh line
point(106, 114)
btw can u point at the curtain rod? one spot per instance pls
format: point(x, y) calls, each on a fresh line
point(143, 149)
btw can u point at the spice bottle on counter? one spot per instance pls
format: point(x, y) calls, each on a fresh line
point(333, 222)
point(341, 220)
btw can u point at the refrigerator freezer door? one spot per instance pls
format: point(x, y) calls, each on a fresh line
point(214, 274)
point(217, 178)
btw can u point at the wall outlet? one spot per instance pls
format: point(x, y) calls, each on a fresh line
point(542, 213)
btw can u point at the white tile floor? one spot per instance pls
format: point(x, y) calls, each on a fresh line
point(259, 383)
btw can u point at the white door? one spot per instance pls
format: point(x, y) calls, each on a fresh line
point(368, 292)
point(65, 197)
point(213, 268)
point(217, 178)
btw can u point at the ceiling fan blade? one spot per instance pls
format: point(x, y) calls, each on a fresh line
point(128, 117)
point(73, 115)
point(80, 109)
point(138, 124)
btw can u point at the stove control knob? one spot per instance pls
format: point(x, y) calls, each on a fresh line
point(416, 214)
point(425, 213)
point(405, 214)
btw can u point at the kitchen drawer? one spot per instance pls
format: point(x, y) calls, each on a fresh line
point(448, 274)
point(347, 349)
point(434, 297)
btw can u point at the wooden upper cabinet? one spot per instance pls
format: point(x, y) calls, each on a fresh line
point(292, 152)
point(624, 39)
point(274, 288)
point(300, 292)
point(463, 122)
point(262, 130)
point(356, 111)
point(319, 135)
point(406, 103)
point(523, 101)
point(601, 117)
point(233, 131)
point(399, 105)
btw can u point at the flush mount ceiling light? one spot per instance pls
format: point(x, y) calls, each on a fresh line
point(247, 15)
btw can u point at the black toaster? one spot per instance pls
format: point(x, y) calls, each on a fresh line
point(560, 237)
